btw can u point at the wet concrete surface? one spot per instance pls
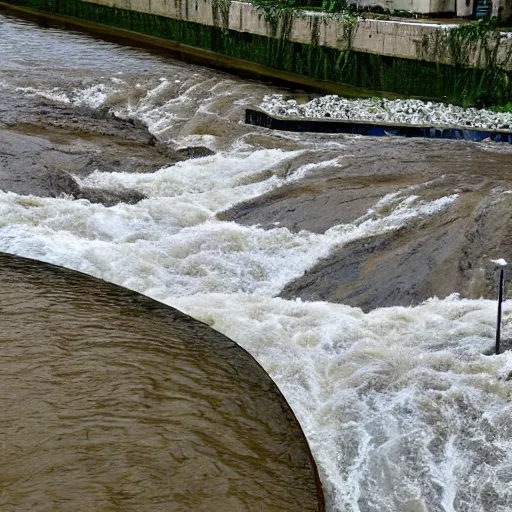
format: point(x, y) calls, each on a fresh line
point(432, 256)
point(45, 150)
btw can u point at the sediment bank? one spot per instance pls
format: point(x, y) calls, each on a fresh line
point(464, 64)
point(431, 256)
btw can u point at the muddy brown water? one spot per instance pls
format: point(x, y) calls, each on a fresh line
point(112, 401)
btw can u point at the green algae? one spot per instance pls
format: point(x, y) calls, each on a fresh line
point(473, 48)
point(220, 13)
point(460, 84)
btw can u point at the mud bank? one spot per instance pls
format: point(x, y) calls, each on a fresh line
point(45, 150)
point(433, 256)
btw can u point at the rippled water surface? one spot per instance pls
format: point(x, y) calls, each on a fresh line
point(401, 409)
point(111, 401)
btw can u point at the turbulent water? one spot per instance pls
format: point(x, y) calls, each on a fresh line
point(401, 409)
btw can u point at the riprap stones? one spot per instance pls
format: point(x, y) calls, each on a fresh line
point(381, 110)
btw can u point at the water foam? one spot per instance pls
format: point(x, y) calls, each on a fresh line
point(171, 244)
point(215, 182)
point(393, 402)
point(401, 408)
point(346, 374)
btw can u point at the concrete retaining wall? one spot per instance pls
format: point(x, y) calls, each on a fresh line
point(415, 6)
point(468, 66)
point(418, 40)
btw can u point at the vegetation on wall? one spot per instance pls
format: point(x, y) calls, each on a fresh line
point(474, 47)
point(313, 5)
point(220, 11)
point(460, 84)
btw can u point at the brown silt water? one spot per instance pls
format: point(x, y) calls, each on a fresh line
point(112, 401)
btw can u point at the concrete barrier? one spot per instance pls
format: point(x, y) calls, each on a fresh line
point(322, 125)
point(464, 64)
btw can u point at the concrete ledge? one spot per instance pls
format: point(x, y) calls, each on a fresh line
point(307, 124)
point(407, 39)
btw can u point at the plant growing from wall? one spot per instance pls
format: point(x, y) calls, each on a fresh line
point(334, 5)
point(221, 8)
point(473, 48)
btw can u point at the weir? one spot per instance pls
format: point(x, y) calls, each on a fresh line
point(393, 397)
point(112, 400)
point(460, 63)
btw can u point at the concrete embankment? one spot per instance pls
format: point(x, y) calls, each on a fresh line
point(461, 63)
point(304, 124)
point(431, 256)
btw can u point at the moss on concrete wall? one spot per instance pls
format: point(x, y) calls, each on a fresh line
point(477, 45)
point(458, 84)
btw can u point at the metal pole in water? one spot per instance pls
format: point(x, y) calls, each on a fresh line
point(500, 301)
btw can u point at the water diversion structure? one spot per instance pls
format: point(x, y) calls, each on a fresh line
point(113, 401)
point(303, 124)
point(353, 269)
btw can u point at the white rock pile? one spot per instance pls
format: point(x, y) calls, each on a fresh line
point(388, 111)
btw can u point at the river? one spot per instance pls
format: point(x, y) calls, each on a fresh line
point(401, 409)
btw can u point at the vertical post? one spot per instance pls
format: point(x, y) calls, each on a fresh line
point(500, 300)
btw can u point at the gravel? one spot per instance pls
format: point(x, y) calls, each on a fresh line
point(380, 110)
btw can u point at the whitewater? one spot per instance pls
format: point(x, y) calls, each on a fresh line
point(402, 410)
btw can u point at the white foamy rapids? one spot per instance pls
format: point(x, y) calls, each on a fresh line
point(396, 404)
point(172, 245)
point(389, 111)
point(158, 108)
point(215, 182)
point(156, 105)
point(93, 96)
point(55, 94)
point(402, 410)
point(161, 103)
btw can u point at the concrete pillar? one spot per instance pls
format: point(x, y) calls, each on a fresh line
point(464, 8)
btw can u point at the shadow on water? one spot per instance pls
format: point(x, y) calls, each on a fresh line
point(111, 400)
